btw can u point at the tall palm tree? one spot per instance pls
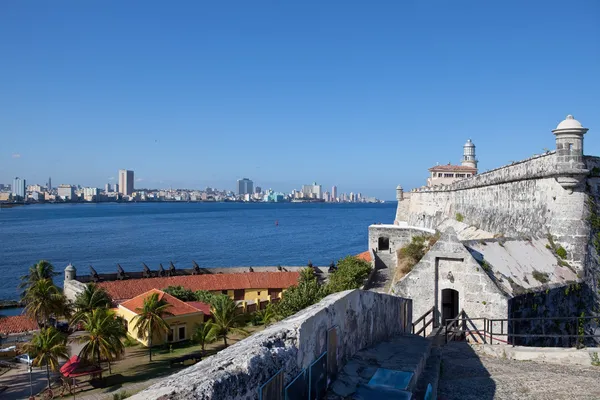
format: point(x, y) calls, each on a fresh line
point(92, 298)
point(225, 317)
point(150, 318)
point(41, 270)
point(204, 333)
point(46, 347)
point(43, 300)
point(104, 332)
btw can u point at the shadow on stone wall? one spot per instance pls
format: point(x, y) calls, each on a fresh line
point(557, 311)
point(463, 375)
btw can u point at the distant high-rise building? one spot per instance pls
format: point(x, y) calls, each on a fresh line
point(49, 184)
point(258, 190)
point(66, 192)
point(334, 193)
point(245, 185)
point(313, 191)
point(116, 188)
point(126, 182)
point(18, 187)
point(107, 188)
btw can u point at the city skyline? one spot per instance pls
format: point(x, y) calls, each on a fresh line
point(272, 98)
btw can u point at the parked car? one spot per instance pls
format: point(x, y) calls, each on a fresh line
point(63, 327)
point(24, 358)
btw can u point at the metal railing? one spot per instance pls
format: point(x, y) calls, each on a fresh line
point(426, 322)
point(579, 329)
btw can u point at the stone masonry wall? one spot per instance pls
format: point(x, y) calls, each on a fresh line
point(521, 199)
point(478, 295)
point(362, 318)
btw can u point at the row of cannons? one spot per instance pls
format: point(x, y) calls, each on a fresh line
point(172, 271)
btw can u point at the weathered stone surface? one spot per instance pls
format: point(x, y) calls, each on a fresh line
point(362, 318)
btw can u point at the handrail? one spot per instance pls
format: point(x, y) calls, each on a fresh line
point(425, 322)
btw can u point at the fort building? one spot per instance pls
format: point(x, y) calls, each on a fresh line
point(527, 227)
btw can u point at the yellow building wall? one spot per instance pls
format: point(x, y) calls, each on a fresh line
point(253, 294)
point(189, 321)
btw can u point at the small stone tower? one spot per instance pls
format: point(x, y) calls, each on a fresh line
point(469, 159)
point(399, 193)
point(70, 273)
point(571, 169)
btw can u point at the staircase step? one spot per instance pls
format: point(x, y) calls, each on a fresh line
point(430, 375)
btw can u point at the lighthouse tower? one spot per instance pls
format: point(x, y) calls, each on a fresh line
point(469, 159)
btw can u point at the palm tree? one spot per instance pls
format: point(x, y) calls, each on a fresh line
point(103, 337)
point(46, 347)
point(204, 333)
point(225, 317)
point(43, 300)
point(92, 298)
point(266, 315)
point(150, 318)
point(42, 270)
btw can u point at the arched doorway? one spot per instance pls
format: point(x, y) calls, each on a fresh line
point(383, 243)
point(449, 305)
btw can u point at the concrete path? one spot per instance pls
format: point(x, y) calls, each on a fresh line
point(466, 375)
point(17, 380)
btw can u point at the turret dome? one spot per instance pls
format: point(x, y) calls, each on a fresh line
point(570, 123)
point(469, 144)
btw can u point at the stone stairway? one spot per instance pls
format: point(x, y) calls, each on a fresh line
point(388, 370)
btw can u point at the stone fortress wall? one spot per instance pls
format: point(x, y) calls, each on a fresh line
point(523, 199)
point(291, 345)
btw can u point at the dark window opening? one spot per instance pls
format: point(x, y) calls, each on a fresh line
point(181, 332)
point(449, 305)
point(170, 335)
point(238, 294)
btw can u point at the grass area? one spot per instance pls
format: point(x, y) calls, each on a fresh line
point(135, 366)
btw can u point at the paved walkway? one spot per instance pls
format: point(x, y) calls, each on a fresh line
point(466, 375)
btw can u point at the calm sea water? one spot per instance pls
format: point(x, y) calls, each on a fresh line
point(212, 234)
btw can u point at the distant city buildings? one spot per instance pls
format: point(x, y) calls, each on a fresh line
point(49, 186)
point(66, 192)
point(313, 191)
point(19, 188)
point(245, 186)
point(126, 182)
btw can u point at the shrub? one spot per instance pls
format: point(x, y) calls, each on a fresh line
point(299, 297)
point(181, 293)
point(415, 250)
point(121, 395)
point(541, 277)
point(204, 296)
point(561, 252)
point(351, 274)
point(459, 217)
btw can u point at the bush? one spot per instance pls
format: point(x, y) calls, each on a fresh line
point(561, 252)
point(351, 274)
point(181, 293)
point(415, 250)
point(299, 297)
point(541, 277)
point(121, 395)
point(459, 217)
point(205, 296)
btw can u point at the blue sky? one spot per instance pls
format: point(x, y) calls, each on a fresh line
point(365, 95)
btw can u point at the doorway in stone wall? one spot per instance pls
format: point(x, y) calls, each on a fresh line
point(383, 243)
point(449, 305)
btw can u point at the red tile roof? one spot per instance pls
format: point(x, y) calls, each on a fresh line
point(127, 289)
point(178, 307)
point(365, 255)
point(17, 324)
point(453, 168)
point(205, 308)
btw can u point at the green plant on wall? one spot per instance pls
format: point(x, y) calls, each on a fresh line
point(460, 217)
point(595, 359)
point(561, 252)
point(581, 330)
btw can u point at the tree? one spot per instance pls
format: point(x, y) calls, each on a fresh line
point(46, 347)
point(41, 270)
point(92, 298)
point(204, 333)
point(225, 317)
point(150, 318)
point(351, 274)
point(181, 293)
point(43, 300)
point(205, 296)
point(296, 298)
point(104, 332)
point(266, 315)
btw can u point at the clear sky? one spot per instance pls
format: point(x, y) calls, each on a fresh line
point(366, 95)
